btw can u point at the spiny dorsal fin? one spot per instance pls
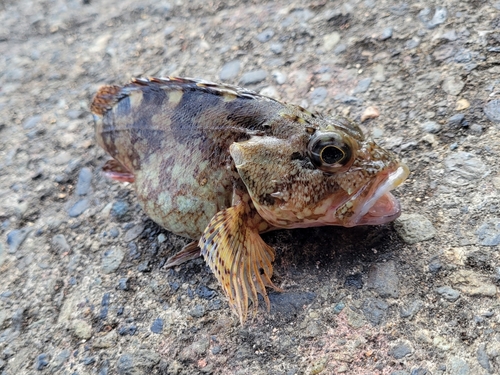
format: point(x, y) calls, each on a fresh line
point(239, 258)
point(107, 96)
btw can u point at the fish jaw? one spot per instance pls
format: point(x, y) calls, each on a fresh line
point(374, 204)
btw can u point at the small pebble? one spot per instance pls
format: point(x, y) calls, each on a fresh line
point(279, 77)
point(462, 104)
point(362, 86)
point(276, 48)
point(482, 357)
point(88, 361)
point(123, 283)
point(84, 181)
point(157, 326)
point(458, 366)
point(438, 17)
point(355, 280)
point(347, 99)
point(431, 127)
point(476, 129)
point(31, 122)
point(198, 311)
point(331, 40)
point(79, 207)
point(230, 70)
point(133, 232)
point(492, 111)
point(374, 310)
point(318, 95)
point(464, 167)
point(204, 292)
point(448, 293)
point(16, 237)
point(413, 228)
point(340, 48)
point(453, 85)
point(400, 350)
point(456, 120)
point(111, 260)
point(383, 278)
point(60, 244)
point(41, 361)
point(253, 77)
point(119, 210)
point(370, 112)
point(82, 329)
point(387, 33)
point(265, 36)
point(489, 232)
point(409, 311)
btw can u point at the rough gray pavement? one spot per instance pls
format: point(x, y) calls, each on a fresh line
point(83, 289)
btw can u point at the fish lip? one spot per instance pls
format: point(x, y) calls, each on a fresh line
point(381, 206)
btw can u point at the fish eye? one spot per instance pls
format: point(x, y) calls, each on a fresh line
point(330, 151)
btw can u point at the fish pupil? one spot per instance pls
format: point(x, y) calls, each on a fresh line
point(331, 155)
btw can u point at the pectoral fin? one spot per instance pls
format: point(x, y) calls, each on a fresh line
point(239, 258)
point(188, 252)
point(114, 170)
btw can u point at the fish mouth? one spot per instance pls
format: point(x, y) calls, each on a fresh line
point(379, 206)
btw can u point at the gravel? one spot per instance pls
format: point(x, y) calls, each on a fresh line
point(83, 282)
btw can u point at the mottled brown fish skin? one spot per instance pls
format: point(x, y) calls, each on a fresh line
point(174, 135)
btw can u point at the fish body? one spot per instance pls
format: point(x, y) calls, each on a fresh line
point(220, 165)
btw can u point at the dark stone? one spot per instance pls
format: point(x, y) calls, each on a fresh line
point(456, 120)
point(400, 350)
point(482, 357)
point(206, 293)
point(435, 266)
point(492, 111)
point(84, 181)
point(448, 293)
point(438, 17)
point(79, 208)
point(88, 361)
point(16, 237)
point(104, 306)
point(123, 283)
point(384, 279)
point(119, 210)
point(419, 371)
point(374, 310)
point(289, 304)
point(41, 361)
point(265, 36)
point(362, 86)
point(198, 311)
point(157, 326)
point(412, 309)
point(253, 77)
point(31, 122)
point(128, 330)
point(144, 266)
point(355, 281)
point(489, 233)
point(104, 369)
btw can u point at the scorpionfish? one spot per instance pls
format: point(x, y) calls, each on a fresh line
point(221, 164)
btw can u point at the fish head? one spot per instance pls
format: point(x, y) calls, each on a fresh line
point(327, 174)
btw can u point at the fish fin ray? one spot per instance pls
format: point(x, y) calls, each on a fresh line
point(115, 170)
point(188, 252)
point(239, 258)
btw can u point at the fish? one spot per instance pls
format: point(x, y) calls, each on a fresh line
point(221, 165)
